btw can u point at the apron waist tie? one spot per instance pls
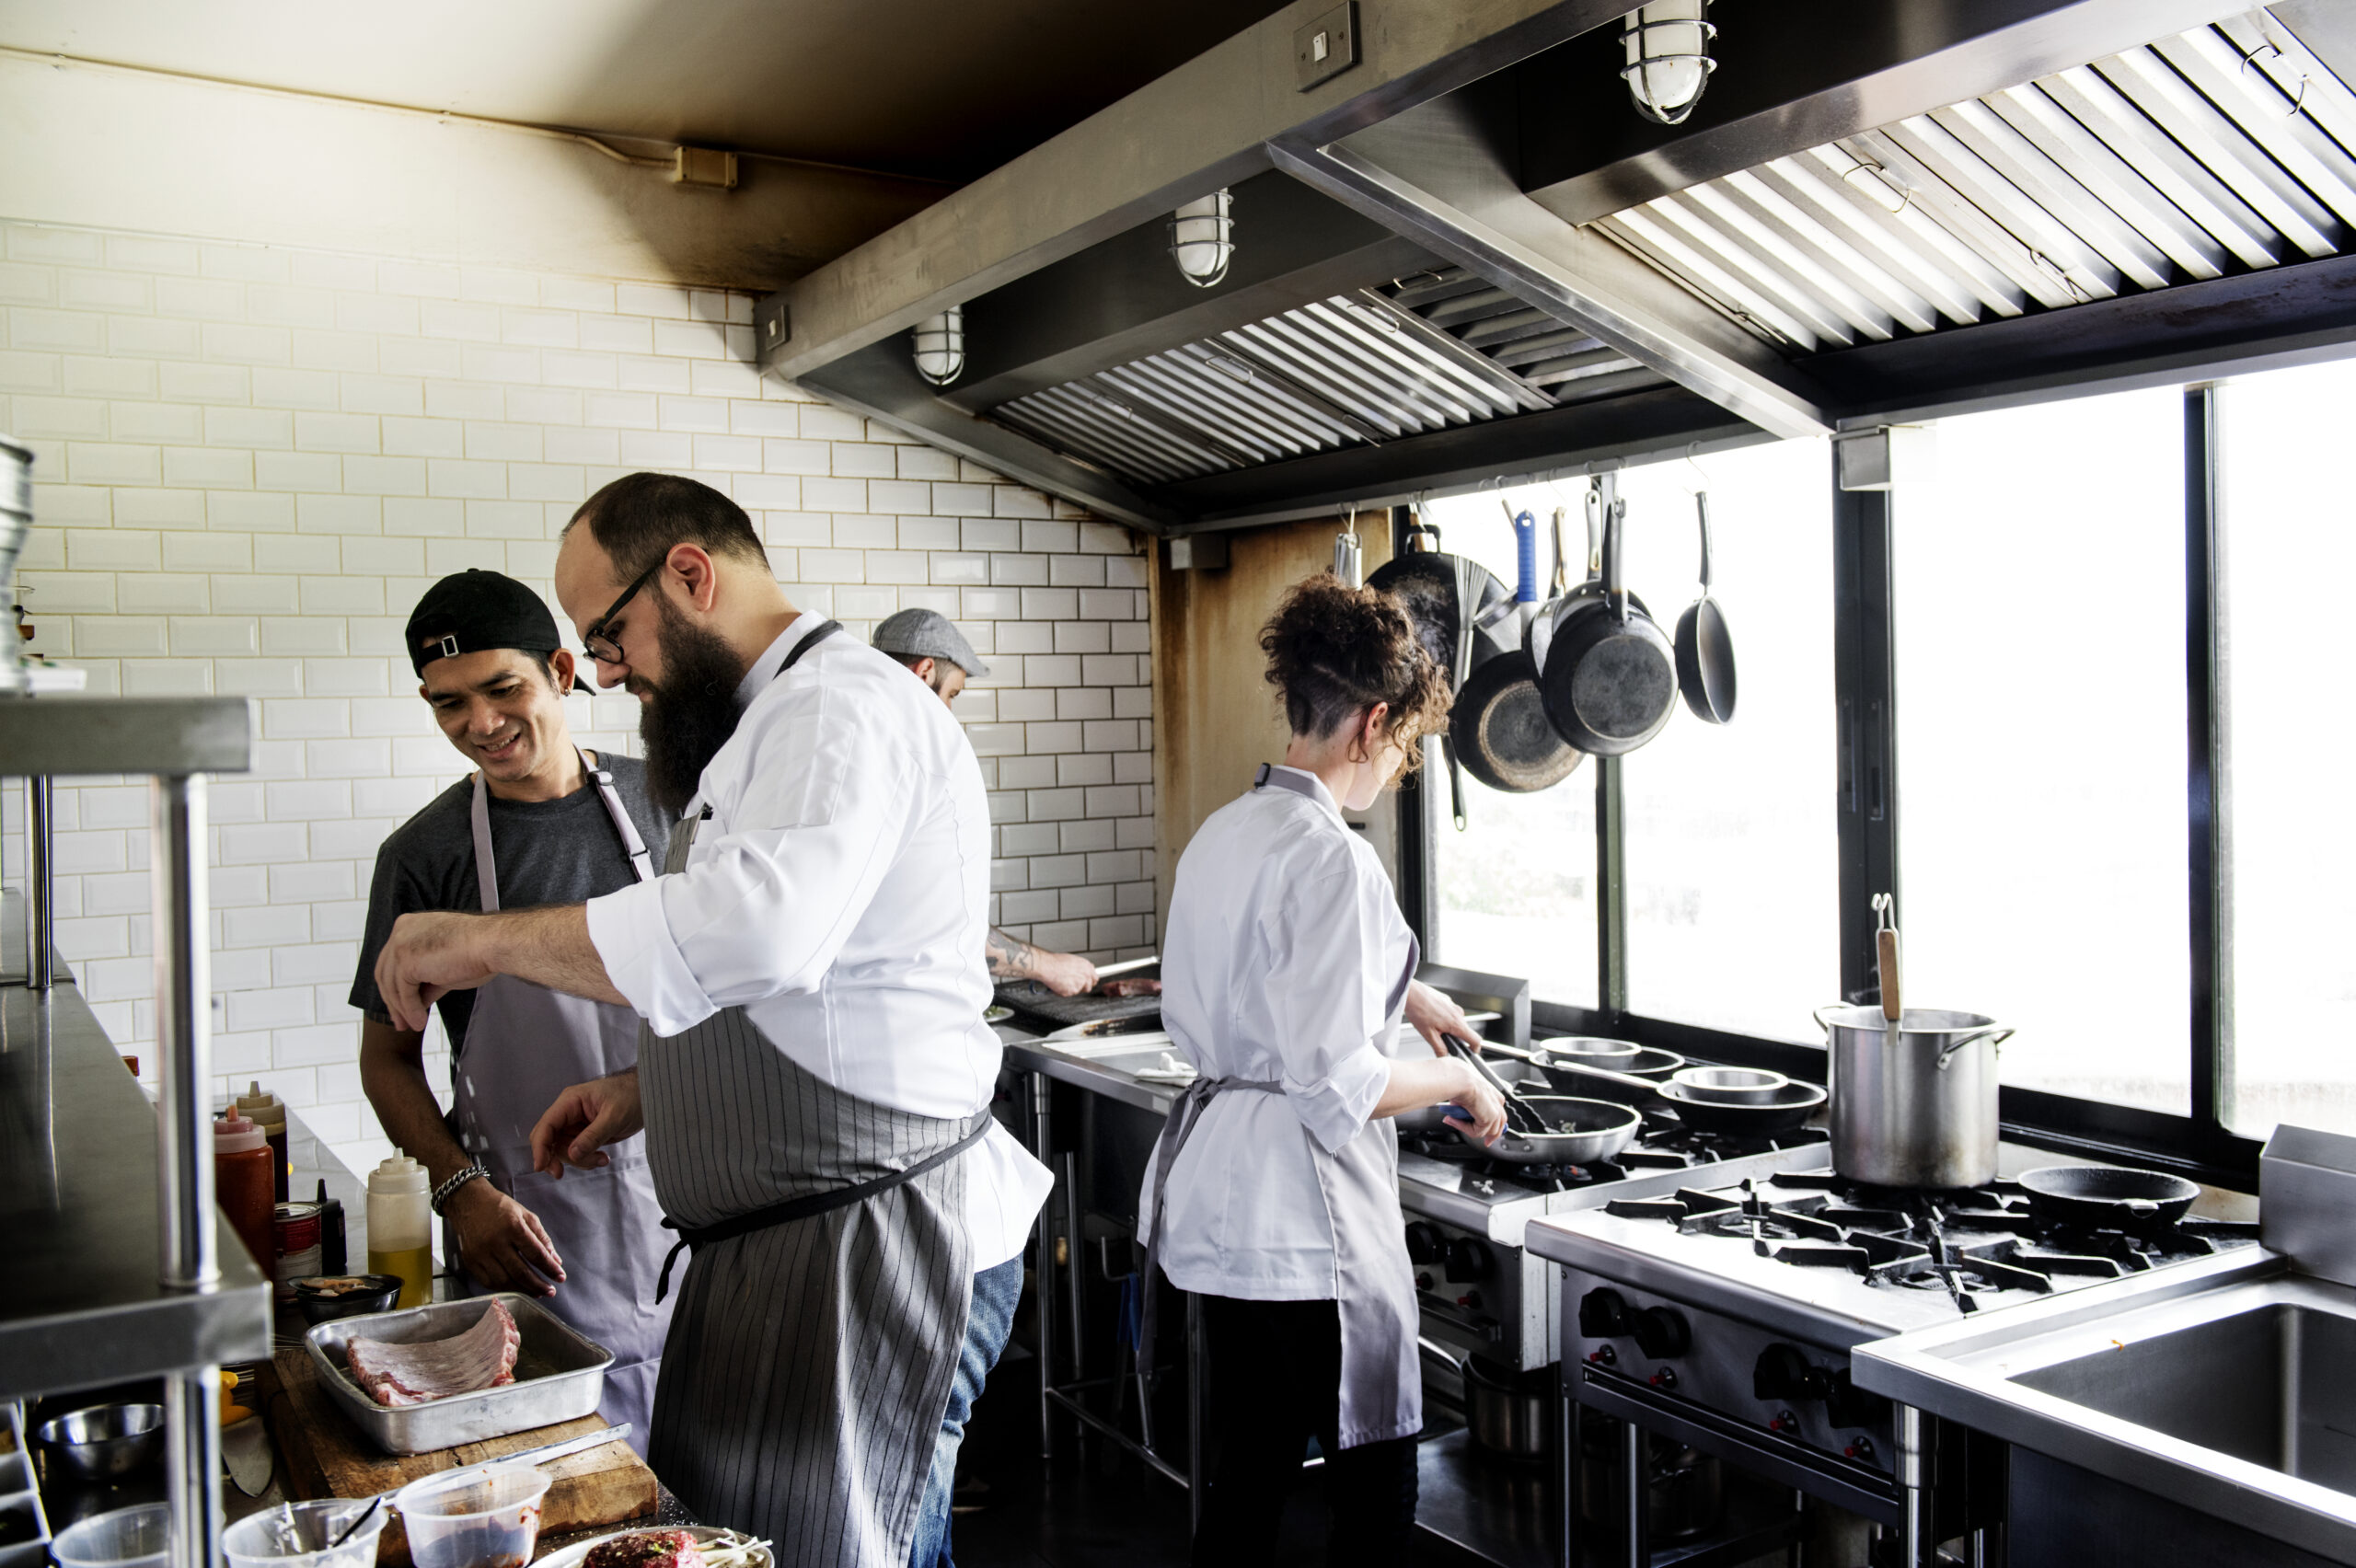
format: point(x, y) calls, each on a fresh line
point(1185, 1112)
point(808, 1206)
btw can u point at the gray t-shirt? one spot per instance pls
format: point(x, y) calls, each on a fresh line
point(561, 851)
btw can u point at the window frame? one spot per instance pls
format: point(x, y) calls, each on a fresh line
point(1869, 794)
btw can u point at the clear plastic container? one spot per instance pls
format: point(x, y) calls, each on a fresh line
point(474, 1518)
point(297, 1535)
point(127, 1537)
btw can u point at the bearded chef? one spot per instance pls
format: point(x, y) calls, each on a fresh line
point(815, 1076)
point(1274, 1189)
point(538, 820)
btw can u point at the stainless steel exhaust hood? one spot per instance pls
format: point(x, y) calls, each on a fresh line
point(1472, 262)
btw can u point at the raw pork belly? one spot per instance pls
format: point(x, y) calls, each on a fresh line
point(411, 1374)
point(647, 1548)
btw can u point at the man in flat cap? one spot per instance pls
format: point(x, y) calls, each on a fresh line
point(929, 645)
point(539, 822)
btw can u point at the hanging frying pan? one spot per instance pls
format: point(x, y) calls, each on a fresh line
point(1610, 680)
point(1704, 647)
point(1431, 585)
point(1498, 728)
point(1539, 635)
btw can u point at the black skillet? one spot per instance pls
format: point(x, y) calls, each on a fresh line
point(1610, 674)
point(1704, 647)
point(1498, 728)
point(2108, 1194)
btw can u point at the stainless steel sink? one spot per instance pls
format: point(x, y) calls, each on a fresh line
point(2228, 1385)
point(2270, 1385)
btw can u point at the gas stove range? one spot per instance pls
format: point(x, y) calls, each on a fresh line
point(1722, 1311)
point(1479, 1292)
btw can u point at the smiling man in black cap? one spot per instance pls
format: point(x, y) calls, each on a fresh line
point(539, 822)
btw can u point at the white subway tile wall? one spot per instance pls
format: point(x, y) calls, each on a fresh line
point(252, 460)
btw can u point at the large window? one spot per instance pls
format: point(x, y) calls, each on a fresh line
point(2038, 604)
point(1517, 887)
point(2289, 555)
point(1732, 858)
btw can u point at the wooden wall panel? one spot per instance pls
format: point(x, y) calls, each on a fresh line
point(1215, 718)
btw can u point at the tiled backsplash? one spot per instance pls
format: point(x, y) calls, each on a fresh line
point(251, 462)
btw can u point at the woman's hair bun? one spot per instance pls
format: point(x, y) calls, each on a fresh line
point(1334, 651)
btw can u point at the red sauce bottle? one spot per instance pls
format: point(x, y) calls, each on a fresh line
point(245, 1184)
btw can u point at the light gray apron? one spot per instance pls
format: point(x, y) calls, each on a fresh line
point(1383, 1384)
point(825, 1303)
point(525, 1045)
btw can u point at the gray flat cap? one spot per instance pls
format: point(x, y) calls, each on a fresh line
point(927, 634)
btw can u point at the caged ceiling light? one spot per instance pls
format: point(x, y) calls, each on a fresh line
point(1202, 239)
point(941, 346)
point(1667, 45)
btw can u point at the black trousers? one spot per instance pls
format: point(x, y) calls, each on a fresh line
point(1276, 1381)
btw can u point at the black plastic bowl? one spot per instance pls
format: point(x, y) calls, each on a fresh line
point(322, 1299)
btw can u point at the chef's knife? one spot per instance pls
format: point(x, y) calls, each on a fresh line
point(549, 1451)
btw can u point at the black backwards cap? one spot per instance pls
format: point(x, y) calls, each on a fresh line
point(469, 611)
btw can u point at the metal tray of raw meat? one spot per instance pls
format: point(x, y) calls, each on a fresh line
point(560, 1375)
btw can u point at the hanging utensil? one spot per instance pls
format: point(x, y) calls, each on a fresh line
point(1609, 679)
point(1540, 634)
point(1704, 647)
point(1498, 726)
point(1434, 587)
point(1886, 956)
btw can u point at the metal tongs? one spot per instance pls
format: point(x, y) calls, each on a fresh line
point(1527, 1122)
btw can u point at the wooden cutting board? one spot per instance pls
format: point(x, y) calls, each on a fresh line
point(322, 1454)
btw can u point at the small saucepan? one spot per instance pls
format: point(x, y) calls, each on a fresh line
point(2108, 1194)
point(1730, 1086)
point(1555, 1059)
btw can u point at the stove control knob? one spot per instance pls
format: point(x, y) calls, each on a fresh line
point(1661, 1332)
point(1470, 1301)
point(1782, 1373)
point(1605, 1356)
point(1602, 1314)
point(1784, 1421)
point(1863, 1448)
point(1469, 1259)
point(1423, 1282)
point(1424, 1243)
point(1664, 1378)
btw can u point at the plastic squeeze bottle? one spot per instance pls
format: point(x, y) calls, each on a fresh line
point(400, 1228)
point(268, 1113)
point(241, 1161)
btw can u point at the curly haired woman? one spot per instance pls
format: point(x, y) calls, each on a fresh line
point(1286, 972)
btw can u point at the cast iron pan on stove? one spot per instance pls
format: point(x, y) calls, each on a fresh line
point(2108, 1194)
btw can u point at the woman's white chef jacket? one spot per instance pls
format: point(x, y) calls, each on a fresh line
point(1286, 958)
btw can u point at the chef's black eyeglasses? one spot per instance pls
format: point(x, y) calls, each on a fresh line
point(599, 639)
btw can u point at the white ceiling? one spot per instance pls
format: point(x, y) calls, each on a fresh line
point(940, 88)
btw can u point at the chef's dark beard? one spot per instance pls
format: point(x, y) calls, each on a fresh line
point(691, 714)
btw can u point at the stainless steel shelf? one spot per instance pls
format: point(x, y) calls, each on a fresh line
point(79, 1209)
point(80, 735)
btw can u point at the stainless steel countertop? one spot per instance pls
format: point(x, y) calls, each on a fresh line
point(1028, 1052)
point(78, 1206)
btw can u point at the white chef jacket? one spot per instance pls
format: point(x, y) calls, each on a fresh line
point(839, 893)
point(1284, 950)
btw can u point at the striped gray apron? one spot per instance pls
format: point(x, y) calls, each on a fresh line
point(810, 1357)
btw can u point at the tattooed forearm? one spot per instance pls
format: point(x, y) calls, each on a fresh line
point(1011, 957)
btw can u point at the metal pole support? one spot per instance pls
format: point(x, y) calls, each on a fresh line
point(184, 1176)
point(40, 897)
point(1043, 1282)
point(1917, 1549)
point(1637, 1499)
point(1198, 1402)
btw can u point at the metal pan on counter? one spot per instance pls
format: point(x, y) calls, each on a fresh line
point(560, 1375)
